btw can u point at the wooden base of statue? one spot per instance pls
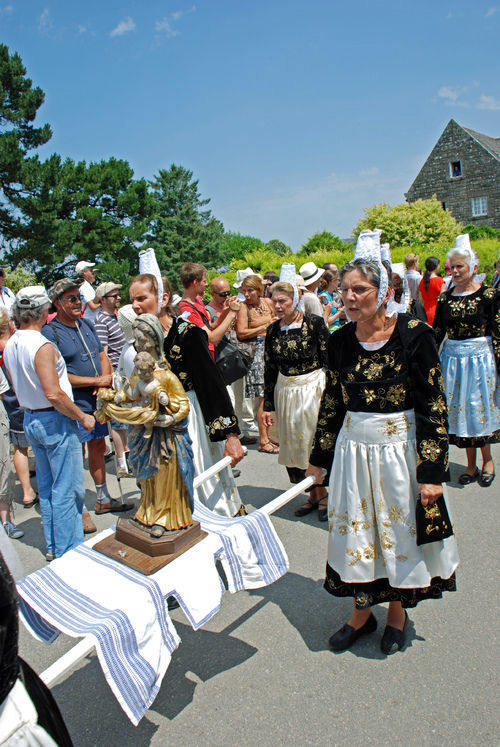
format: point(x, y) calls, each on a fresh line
point(133, 546)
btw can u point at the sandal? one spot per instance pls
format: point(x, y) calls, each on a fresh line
point(306, 508)
point(30, 504)
point(269, 448)
point(272, 441)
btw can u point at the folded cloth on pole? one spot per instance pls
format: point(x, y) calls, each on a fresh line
point(253, 555)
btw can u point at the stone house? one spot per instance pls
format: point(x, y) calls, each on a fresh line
point(463, 171)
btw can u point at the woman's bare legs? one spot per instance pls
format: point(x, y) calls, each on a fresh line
point(471, 460)
point(488, 464)
point(395, 616)
point(21, 465)
point(264, 430)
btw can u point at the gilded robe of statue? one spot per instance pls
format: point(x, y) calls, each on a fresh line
point(163, 463)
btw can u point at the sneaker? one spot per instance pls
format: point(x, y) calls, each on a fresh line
point(49, 557)
point(12, 531)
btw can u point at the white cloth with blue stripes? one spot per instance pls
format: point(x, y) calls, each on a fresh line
point(85, 593)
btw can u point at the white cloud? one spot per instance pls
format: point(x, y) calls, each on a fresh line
point(488, 102)
point(451, 95)
point(6, 9)
point(165, 27)
point(369, 172)
point(81, 29)
point(44, 22)
point(491, 12)
point(123, 27)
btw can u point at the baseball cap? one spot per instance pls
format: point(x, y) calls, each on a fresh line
point(62, 285)
point(81, 266)
point(32, 297)
point(105, 288)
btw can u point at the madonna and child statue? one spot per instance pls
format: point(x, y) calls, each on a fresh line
point(155, 406)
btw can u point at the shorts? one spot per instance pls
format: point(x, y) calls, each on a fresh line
point(18, 438)
point(116, 426)
point(100, 430)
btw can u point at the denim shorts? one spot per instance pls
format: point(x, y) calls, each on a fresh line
point(100, 430)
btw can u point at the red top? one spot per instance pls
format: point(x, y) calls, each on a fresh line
point(430, 296)
point(197, 314)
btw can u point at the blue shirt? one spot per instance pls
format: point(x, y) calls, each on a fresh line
point(80, 357)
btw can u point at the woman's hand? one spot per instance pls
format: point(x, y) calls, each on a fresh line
point(430, 493)
point(315, 472)
point(234, 449)
point(267, 420)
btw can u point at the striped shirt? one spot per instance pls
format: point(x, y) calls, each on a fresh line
point(110, 334)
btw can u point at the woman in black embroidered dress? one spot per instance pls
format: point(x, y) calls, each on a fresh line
point(295, 354)
point(469, 314)
point(383, 423)
point(186, 350)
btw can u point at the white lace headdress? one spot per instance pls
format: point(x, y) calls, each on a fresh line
point(149, 266)
point(462, 246)
point(368, 248)
point(401, 307)
point(288, 275)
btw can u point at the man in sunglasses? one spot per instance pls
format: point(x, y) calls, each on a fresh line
point(112, 339)
point(88, 369)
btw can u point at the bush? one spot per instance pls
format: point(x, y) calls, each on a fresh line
point(423, 222)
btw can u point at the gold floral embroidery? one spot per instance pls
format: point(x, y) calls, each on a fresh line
point(374, 370)
point(345, 396)
point(327, 442)
point(413, 323)
point(222, 423)
point(369, 395)
point(390, 428)
point(490, 293)
point(438, 405)
point(429, 450)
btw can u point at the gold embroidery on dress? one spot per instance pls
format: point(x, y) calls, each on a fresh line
point(390, 428)
point(430, 450)
point(413, 323)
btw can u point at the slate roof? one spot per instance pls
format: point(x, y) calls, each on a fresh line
point(491, 144)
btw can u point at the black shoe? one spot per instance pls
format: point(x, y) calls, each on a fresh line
point(108, 457)
point(486, 478)
point(172, 603)
point(236, 472)
point(306, 508)
point(323, 510)
point(347, 635)
point(393, 639)
point(466, 479)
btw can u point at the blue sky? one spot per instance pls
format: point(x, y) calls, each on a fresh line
point(294, 115)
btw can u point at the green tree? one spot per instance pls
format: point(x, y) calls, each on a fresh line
point(409, 224)
point(323, 241)
point(235, 246)
point(278, 247)
point(181, 231)
point(19, 103)
point(73, 211)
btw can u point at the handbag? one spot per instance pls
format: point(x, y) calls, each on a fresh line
point(230, 361)
point(432, 522)
point(247, 348)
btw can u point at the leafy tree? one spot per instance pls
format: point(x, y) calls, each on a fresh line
point(235, 246)
point(181, 231)
point(73, 211)
point(19, 103)
point(278, 247)
point(421, 222)
point(323, 242)
point(18, 278)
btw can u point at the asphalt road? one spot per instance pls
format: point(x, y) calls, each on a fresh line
point(260, 672)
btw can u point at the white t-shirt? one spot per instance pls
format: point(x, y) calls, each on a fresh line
point(19, 358)
point(7, 299)
point(88, 294)
point(312, 304)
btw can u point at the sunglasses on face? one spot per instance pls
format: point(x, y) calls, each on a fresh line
point(71, 299)
point(224, 294)
point(114, 295)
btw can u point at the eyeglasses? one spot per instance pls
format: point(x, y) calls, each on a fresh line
point(358, 290)
point(71, 299)
point(113, 295)
point(224, 294)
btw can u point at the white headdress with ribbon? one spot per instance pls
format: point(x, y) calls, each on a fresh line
point(385, 253)
point(288, 275)
point(368, 248)
point(402, 307)
point(149, 266)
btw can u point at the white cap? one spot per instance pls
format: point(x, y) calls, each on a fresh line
point(81, 266)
